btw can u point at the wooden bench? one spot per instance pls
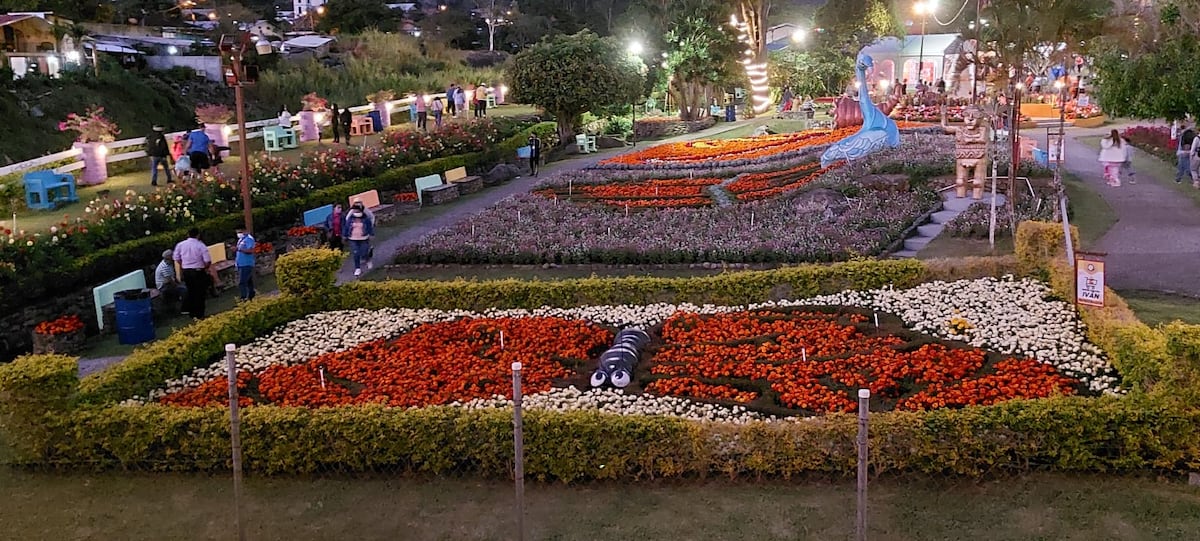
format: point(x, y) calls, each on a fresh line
point(278, 138)
point(432, 191)
point(224, 268)
point(586, 143)
point(466, 184)
point(370, 200)
point(102, 294)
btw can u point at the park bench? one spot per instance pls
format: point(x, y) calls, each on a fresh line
point(432, 191)
point(370, 200)
point(586, 143)
point(316, 217)
point(106, 310)
point(466, 184)
point(45, 190)
point(278, 138)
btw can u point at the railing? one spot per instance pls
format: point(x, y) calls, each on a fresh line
point(133, 148)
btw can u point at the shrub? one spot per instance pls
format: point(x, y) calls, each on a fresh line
point(33, 390)
point(1038, 243)
point(308, 271)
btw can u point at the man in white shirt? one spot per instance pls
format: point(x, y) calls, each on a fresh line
point(194, 259)
point(167, 282)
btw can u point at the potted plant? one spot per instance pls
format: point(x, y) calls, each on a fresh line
point(94, 130)
point(312, 103)
point(264, 258)
point(62, 335)
point(215, 117)
point(303, 236)
point(381, 99)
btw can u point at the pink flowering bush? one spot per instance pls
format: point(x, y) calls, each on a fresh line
point(313, 102)
point(92, 126)
point(1153, 139)
point(213, 113)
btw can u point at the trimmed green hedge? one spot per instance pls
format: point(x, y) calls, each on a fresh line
point(310, 271)
point(110, 262)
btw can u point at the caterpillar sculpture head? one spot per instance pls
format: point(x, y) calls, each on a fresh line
point(865, 61)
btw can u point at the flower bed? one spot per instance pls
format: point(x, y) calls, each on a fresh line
point(758, 361)
point(1153, 139)
point(61, 335)
point(639, 194)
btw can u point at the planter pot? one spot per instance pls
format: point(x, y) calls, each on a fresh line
point(264, 264)
point(95, 169)
point(385, 114)
point(68, 343)
point(309, 131)
point(217, 133)
point(1093, 122)
point(306, 241)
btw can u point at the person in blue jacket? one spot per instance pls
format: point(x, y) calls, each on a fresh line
point(357, 229)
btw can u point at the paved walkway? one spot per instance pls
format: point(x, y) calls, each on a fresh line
point(386, 247)
point(1155, 243)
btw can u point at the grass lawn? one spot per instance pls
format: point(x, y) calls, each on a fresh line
point(1090, 213)
point(777, 125)
point(166, 506)
point(1154, 307)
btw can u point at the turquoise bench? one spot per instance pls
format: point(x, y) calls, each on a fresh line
point(103, 294)
point(316, 217)
point(424, 183)
point(278, 138)
point(45, 190)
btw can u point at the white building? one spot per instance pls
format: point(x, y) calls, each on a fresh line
point(301, 8)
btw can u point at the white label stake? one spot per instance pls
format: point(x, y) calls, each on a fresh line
point(876, 320)
point(501, 340)
point(322, 373)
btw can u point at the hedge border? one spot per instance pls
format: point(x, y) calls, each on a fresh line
point(99, 265)
point(1143, 430)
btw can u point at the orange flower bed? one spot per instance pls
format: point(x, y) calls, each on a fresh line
point(62, 325)
point(815, 362)
point(303, 230)
point(437, 363)
point(654, 193)
point(659, 203)
point(755, 186)
point(745, 148)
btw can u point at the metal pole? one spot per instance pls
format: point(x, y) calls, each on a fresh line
point(921, 55)
point(864, 401)
point(235, 438)
point(247, 212)
point(518, 451)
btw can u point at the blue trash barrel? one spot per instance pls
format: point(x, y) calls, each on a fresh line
point(135, 324)
point(730, 113)
point(376, 121)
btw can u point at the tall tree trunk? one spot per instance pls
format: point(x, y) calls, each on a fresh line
point(567, 126)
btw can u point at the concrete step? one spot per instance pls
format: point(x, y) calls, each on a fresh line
point(916, 243)
point(929, 230)
point(904, 254)
point(954, 203)
point(941, 217)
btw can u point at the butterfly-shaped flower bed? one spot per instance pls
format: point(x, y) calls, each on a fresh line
point(640, 194)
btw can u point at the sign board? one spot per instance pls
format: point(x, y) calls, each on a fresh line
point(1056, 149)
point(1089, 280)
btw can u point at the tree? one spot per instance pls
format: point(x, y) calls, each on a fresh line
point(819, 72)
point(568, 75)
point(850, 25)
point(495, 14)
point(1158, 45)
point(449, 27)
point(354, 16)
point(700, 54)
point(526, 30)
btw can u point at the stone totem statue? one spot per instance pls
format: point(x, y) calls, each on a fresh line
point(970, 151)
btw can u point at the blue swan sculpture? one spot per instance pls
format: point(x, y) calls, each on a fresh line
point(877, 132)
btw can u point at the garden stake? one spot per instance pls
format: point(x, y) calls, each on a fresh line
point(235, 439)
point(626, 210)
point(804, 354)
point(518, 451)
point(752, 219)
point(876, 320)
point(501, 340)
point(322, 374)
point(864, 398)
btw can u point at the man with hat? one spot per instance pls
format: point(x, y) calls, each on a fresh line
point(167, 281)
point(158, 150)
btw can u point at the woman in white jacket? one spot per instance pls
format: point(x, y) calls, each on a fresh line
point(1113, 152)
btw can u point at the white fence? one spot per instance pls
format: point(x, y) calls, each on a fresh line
point(133, 149)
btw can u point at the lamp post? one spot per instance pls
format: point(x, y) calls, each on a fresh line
point(635, 50)
point(235, 51)
point(923, 9)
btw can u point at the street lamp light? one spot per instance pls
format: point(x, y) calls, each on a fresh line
point(635, 49)
point(799, 35)
point(923, 8)
point(235, 48)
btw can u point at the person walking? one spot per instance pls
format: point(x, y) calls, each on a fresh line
point(347, 118)
point(358, 228)
point(194, 259)
point(1194, 158)
point(481, 100)
point(450, 92)
point(1183, 154)
point(1112, 154)
point(167, 282)
point(336, 124)
point(159, 152)
point(535, 153)
point(460, 101)
point(244, 260)
point(333, 227)
point(198, 148)
point(422, 112)
point(437, 108)
point(785, 100)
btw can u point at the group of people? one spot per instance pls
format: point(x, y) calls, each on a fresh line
point(789, 102)
point(199, 276)
point(1187, 156)
point(339, 122)
point(192, 152)
point(456, 99)
point(901, 87)
point(353, 229)
point(1115, 155)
